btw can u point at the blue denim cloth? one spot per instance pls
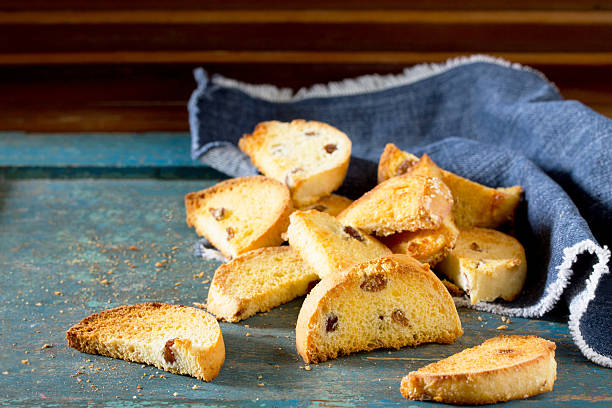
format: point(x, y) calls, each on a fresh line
point(496, 124)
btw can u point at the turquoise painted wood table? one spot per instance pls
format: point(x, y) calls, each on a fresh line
point(89, 222)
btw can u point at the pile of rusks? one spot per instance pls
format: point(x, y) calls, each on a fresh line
point(365, 265)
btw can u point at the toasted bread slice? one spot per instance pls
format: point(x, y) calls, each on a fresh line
point(332, 204)
point(257, 281)
point(427, 246)
point(394, 162)
point(392, 301)
point(310, 157)
point(487, 264)
point(175, 338)
point(475, 205)
point(329, 246)
point(240, 214)
point(403, 203)
point(500, 369)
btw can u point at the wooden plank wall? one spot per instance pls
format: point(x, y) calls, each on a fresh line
point(125, 65)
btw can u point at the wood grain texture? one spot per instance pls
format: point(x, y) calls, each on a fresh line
point(131, 61)
point(85, 229)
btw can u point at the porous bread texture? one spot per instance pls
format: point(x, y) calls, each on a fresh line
point(501, 369)
point(174, 338)
point(332, 204)
point(329, 246)
point(241, 214)
point(475, 205)
point(402, 203)
point(310, 157)
point(392, 301)
point(394, 162)
point(486, 264)
point(257, 281)
point(426, 246)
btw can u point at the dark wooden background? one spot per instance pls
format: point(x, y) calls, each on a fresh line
point(125, 65)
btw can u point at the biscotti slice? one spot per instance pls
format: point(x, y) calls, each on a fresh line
point(310, 157)
point(394, 162)
point(240, 214)
point(329, 246)
point(427, 246)
point(500, 369)
point(332, 204)
point(475, 205)
point(486, 264)
point(175, 338)
point(403, 203)
point(392, 301)
point(257, 281)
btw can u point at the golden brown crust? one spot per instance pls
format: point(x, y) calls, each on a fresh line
point(394, 162)
point(266, 235)
point(426, 246)
point(150, 333)
point(501, 369)
point(371, 276)
point(257, 281)
point(403, 203)
point(309, 175)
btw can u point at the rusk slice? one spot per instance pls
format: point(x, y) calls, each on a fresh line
point(258, 281)
point(427, 246)
point(403, 203)
point(501, 369)
point(310, 157)
point(332, 204)
point(475, 205)
point(487, 264)
point(329, 246)
point(241, 214)
point(175, 338)
point(392, 301)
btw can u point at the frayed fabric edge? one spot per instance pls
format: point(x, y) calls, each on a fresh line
point(367, 83)
point(553, 292)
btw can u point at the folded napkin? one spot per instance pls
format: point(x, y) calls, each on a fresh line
point(486, 119)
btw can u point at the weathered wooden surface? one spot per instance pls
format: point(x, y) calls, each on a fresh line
point(70, 247)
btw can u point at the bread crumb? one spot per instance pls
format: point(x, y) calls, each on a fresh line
point(133, 248)
point(248, 334)
point(259, 377)
point(25, 362)
point(58, 293)
point(175, 394)
point(5, 372)
point(307, 368)
point(502, 327)
point(46, 346)
point(247, 326)
point(200, 305)
point(195, 387)
point(260, 384)
point(206, 281)
point(479, 319)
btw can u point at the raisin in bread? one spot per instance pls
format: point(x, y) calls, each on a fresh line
point(475, 205)
point(310, 157)
point(403, 203)
point(240, 214)
point(257, 281)
point(332, 204)
point(486, 264)
point(427, 246)
point(392, 301)
point(500, 369)
point(175, 338)
point(394, 162)
point(329, 246)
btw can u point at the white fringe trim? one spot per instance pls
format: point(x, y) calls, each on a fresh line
point(553, 292)
point(363, 84)
point(580, 302)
